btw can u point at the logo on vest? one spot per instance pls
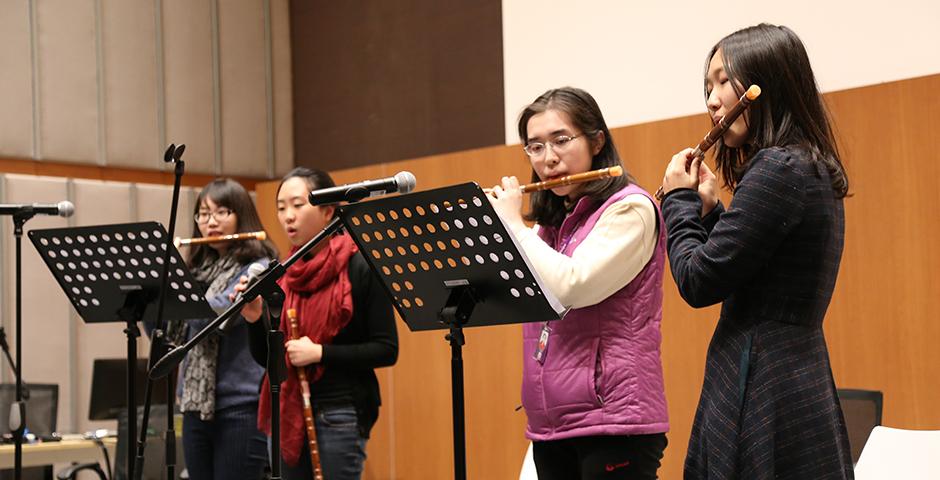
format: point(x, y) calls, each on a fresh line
point(612, 466)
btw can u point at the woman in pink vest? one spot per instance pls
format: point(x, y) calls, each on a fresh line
point(592, 382)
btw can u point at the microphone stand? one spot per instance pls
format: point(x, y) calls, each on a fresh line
point(159, 346)
point(277, 373)
point(267, 287)
point(18, 408)
point(6, 352)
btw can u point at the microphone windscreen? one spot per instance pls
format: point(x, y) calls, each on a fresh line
point(406, 181)
point(255, 269)
point(66, 208)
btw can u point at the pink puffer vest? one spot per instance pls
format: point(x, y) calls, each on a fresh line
point(602, 373)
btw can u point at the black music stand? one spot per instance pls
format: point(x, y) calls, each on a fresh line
point(112, 273)
point(448, 262)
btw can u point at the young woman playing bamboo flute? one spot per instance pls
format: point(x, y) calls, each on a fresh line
point(592, 383)
point(346, 331)
point(219, 379)
point(768, 407)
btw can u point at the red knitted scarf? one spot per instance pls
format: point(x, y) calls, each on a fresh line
point(320, 290)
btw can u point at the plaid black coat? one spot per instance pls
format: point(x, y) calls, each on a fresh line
point(768, 407)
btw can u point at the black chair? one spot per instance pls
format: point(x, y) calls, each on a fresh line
point(42, 407)
point(862, 411)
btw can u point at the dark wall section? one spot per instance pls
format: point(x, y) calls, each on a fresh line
point(378, 81)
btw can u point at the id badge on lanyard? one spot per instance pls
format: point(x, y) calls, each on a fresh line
point(542, 348)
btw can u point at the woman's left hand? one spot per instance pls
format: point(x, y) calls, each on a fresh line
point(303, 352)
point(506, 199)
point(677, 176)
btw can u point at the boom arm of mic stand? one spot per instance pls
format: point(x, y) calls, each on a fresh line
point(267, 282)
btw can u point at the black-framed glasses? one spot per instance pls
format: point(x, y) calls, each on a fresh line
point(219, 215)
point(558, 144)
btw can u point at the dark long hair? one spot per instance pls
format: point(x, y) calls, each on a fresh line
point(790, 110)
point(314, 178)
point(547, 208)
point(230, 194)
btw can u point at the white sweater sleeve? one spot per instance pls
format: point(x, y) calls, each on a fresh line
point(613, 253)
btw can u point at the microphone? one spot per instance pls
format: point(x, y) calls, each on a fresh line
point(402, 182)
point(64, 208)
point(254, 271)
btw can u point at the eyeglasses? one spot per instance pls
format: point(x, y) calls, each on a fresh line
point(559, 144)
point(219, 215)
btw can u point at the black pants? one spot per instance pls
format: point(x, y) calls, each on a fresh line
point(599, 457)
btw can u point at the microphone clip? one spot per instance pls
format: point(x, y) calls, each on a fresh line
point(174, 153)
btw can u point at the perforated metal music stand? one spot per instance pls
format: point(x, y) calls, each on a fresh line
point(112, 273)
point(448, 262)
point(98, 267)
point(417, 241)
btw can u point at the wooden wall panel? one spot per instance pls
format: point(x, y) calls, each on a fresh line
point(265, 195)
point(403, 79)
point(16, 99)
point(67, 80)
point(883, 330)
point(130, 96)
point(117, 174)
point(281, 87)
point(188, 60)
point(242, 88)
point(110, 82)
point(882, 327)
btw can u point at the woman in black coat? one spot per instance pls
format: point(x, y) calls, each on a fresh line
point(768, 407)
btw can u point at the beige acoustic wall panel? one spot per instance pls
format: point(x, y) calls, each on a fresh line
point(153, 205)
point(67, 79)
point(187, 46)
point(130, 83)
point(242, 66)
point(98, 203)
point(16, 100)
point(281, 88)
point(47, 313)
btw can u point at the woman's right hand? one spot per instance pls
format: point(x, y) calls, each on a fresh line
point(251, 311)
point(682, 172)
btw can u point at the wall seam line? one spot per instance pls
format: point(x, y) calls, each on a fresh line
point(102, 157)
point(34, 60)
point(216, 87)
point(161, 83)
point(269, 89)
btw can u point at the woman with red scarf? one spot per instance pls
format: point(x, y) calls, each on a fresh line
point(346, 330)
